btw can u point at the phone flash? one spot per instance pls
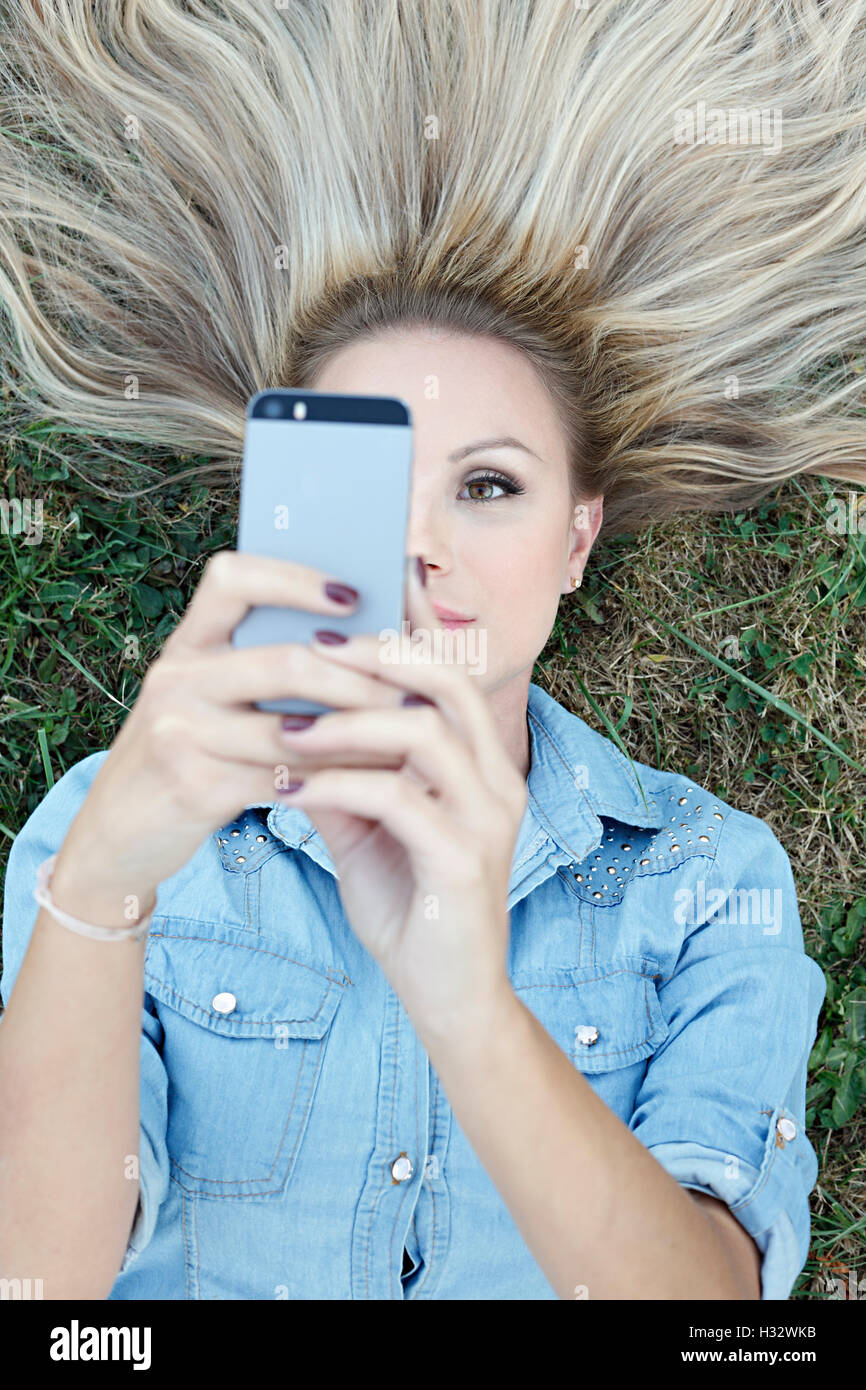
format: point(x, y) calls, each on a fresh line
point(299, 410)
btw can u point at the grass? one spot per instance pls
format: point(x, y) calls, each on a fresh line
point(729, 648)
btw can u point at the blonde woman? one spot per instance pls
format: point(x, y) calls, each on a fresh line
point(480, 1009)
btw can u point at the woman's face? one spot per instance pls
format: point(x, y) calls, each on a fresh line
point(499, 552)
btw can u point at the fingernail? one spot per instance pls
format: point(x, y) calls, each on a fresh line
point(297, 721)
point(341, 593)
point(324, 634)
point(422, 573)
point(294, 784)
point(417, 700)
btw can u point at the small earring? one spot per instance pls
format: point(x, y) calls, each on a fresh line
point(576, 583)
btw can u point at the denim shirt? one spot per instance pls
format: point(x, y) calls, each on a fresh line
point(295, 1140)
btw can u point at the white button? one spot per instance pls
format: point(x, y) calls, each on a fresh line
point(586, 1033)
point(787, 1128)
point(401, 1169)
point(223, 1003)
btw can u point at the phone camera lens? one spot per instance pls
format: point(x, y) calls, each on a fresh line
point(273, 406)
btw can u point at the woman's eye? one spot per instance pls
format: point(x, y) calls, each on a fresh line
point(505, 485)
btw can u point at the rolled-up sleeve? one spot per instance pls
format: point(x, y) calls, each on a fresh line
point(42, 835)
point(722, 1104)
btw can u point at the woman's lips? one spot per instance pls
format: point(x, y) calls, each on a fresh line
point(450, 618)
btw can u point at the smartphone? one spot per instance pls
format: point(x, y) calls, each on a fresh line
point(326, 482)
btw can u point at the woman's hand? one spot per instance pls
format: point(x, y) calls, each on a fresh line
point(423, 850)
point(194, 750)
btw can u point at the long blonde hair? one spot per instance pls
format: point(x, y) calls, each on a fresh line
point(200, 199)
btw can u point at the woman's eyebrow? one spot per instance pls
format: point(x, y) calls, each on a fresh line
point(506, 442)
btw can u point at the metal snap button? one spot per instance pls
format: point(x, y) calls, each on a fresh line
point(401, 1168)
point(586, 1033)
point(224, 1003)
point(786, 1128)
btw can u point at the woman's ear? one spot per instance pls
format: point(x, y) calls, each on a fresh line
point(585, 524)
point(588, 517)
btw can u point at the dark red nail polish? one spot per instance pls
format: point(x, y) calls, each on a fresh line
point(341, 593)
point(295, 722)
point(294, 784)
point(324, 634)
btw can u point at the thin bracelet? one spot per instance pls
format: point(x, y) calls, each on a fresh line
point(42, 893)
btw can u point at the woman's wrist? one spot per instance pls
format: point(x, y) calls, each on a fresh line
point(89, 892)
point(468, 1031)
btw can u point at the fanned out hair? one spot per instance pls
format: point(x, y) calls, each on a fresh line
point(663, 205)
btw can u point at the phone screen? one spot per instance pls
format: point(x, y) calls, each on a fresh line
point(326, 482)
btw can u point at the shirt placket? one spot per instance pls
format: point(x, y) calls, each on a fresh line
point(396, 1167)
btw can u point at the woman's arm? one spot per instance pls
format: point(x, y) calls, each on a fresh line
point(596, 1210)
point(190, 755)
point(69, 1093)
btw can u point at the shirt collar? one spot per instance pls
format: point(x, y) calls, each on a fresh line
point(576, 776)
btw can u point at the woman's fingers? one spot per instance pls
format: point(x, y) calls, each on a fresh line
point(286, 670)
point(453, 690)
point(449, 683)
point(418, 738)
point(455, 749)
point(232, 583)
point(254, 738)
point(420, 612)
point(412, 817)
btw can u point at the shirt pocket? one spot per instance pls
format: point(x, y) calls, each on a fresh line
point(602, 1017)
point(245, 1031)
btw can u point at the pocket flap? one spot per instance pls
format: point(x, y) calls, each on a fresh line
point(228, 980)
point(602, 1017)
